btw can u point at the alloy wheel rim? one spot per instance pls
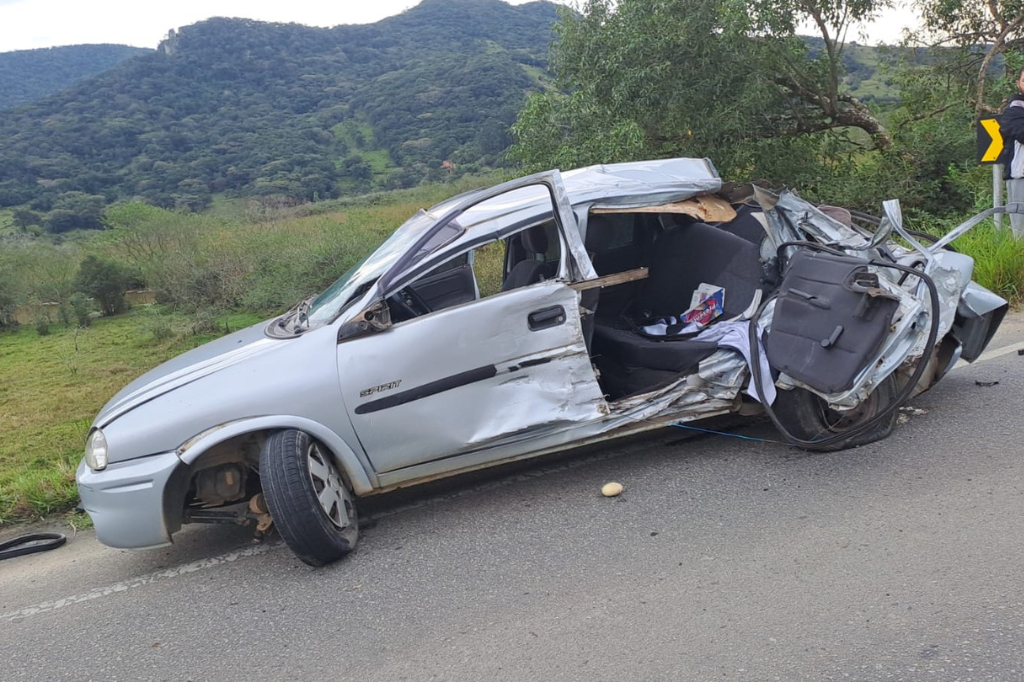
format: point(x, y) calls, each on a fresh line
point(328, 487)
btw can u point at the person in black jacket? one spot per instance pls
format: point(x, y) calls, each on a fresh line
point(1011, 126)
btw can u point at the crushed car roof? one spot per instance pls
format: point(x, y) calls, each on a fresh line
point(638, 183)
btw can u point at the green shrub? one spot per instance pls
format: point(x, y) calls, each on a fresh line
point(160, 329)
point(204, 322)
point(104, 280)
point(42, 322)
point(81, 307)
point(7, 306)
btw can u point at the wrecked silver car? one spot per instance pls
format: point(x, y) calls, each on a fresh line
point(632, 296)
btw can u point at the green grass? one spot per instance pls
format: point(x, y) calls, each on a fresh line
point(52, 386)
point(354, 133)
point(379, 160)
point(998, 260)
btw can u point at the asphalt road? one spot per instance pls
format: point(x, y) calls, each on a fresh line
point(725, 559)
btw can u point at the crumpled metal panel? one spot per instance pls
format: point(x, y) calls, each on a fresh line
point(573, 238)
point(791, 218)
point(712, 390)
point(951, 272)
point(980, 300)
point(527, 380)
point(640, 183)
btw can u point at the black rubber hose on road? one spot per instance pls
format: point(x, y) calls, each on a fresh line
point(30, 544)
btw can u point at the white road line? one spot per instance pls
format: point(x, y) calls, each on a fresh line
point(997, 352)
point(993, 354)
point(141, 581)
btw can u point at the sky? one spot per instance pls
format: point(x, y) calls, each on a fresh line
point(29, 24)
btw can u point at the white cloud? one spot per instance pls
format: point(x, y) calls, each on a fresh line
point(44, 23)
point(27, 24)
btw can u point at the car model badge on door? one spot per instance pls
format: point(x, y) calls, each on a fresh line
point(379, 389)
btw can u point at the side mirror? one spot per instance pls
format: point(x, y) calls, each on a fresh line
point(375, 318)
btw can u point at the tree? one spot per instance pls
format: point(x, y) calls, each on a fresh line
point(76, 211)
point(719, 78)
point(104, 280)
point(355, 167)
point(983, 41)
point(24, 218)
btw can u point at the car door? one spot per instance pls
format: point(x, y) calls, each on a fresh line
point(507, 368)
point(453, 286)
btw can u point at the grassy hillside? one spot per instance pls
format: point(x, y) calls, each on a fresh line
point(245, 107)
point(29, 75)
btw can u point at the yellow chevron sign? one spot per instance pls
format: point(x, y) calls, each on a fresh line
point(990, 140)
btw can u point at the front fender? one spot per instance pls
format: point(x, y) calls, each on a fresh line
point(360, 475)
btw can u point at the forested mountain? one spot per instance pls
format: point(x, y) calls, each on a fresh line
point(282, 109)
point(28, 75)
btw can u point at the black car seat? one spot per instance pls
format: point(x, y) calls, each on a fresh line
point(684, 257)
point(533, 268)
point(691, 254)
point(614, 247)
point(747, 224)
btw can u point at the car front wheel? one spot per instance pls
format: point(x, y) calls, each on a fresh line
point(311, 505)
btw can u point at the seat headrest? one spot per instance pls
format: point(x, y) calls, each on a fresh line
point(535, 240)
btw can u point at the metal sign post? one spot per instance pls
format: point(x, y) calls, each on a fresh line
point(990, 146)
point(997, 192)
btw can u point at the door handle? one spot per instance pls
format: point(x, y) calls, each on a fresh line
point(546, 317)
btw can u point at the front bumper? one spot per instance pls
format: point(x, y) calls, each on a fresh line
point(135, 504)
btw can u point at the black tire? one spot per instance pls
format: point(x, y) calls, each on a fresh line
point(295, 470)
point(807, 417)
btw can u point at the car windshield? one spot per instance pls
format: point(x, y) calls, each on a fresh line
point(357, 280)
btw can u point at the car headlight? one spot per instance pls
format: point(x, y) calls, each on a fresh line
point(96, 451)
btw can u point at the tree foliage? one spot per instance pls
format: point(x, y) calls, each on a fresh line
point(29, 75)
point(733, 82)
point(668, 77)
point(8, 302)
point(985, 41)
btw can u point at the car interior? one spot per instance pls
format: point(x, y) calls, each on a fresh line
point(530, 256)
point(670, 255)
point(680, 253)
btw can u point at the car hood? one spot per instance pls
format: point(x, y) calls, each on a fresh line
point(187, 368)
